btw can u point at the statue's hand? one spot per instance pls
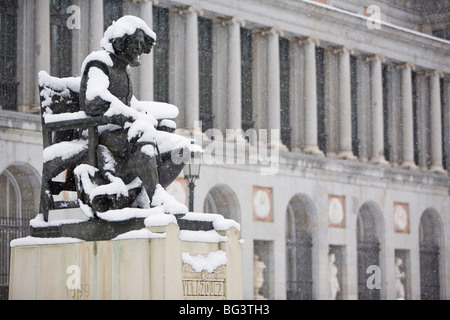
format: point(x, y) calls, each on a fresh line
point(120, 119)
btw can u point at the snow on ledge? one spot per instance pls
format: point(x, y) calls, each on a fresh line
point(39, 222)
point(218, 221)
point(201, 236)
point(33, 241)
point(130, 213)
point(210, 262)
point(140, 234)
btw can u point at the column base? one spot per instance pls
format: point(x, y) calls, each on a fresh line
point(410, 165)
point(347, 155)
point(379, 161)
point(438, 169)
point(278, 144)
point(314, 150)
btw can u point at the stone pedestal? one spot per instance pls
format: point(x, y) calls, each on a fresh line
point(158, 262)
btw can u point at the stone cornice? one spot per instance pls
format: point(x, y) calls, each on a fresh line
point(334, 26)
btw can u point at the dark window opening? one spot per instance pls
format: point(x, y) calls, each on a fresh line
point(60, 39)
point(284, 93)
point(8, 60)
point(320, 69)
point(161, 54)
point(112, 11)
point(205, 72)
point(246, 79)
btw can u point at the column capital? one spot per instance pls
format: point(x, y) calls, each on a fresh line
point(230, 20)
point(371, 57)
point(339, 49)
point(404, 65)
point(187, 9)
point(428, 73)
point(269, 30)
point(304, 40)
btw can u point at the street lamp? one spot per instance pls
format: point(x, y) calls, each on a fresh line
point(191, 172)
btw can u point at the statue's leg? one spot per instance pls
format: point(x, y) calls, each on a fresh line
point(145, 166)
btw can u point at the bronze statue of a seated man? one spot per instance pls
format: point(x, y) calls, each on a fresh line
point(132, 145)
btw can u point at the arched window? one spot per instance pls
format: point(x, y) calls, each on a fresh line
point(299, 242)
point(19, 201)
point(429, 246)
point(368, 242)
point(222, 200)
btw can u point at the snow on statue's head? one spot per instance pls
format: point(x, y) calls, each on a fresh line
point(128, 38)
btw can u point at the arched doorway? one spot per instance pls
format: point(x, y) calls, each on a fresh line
point(222, 200)
point(299, 243)
point(368, 230)
point(429, 246)
point(19, 203)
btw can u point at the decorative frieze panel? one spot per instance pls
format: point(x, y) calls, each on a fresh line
point(204, 285)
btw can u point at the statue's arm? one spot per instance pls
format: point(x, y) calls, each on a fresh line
point(159, 110)
point(100, 101)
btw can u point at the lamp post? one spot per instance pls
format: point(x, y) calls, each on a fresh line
point(191, 173)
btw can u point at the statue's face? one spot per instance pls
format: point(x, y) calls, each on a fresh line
point(133, 48)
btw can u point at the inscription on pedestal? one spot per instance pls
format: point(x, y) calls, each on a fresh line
point(204, 285)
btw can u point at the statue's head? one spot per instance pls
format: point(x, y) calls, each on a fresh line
point(128, 38)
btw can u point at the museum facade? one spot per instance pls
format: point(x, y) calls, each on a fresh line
point(325, 125)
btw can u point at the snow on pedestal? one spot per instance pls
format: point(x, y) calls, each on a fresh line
point(159, 261)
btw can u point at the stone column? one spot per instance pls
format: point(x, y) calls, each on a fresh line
point(407, 117)
point(446, 116)
point(42, 35)
point(376, 112)
point(435, 122)
point(273, 79)
point(42, 39)
point(310, 96)
point(96, 24)
point(345, 105)
point(191, 65)
point(273, 84)
point(146, 69)
point(234, 115)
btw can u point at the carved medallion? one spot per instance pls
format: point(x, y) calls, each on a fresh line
point(262, 204)
point(401, 219)
point(336, 213)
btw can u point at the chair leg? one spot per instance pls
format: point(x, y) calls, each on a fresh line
point(46, 202)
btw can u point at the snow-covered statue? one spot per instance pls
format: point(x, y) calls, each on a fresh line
point(333, 277)
point(118, 152)
point(141, 136)
point(399, 276)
